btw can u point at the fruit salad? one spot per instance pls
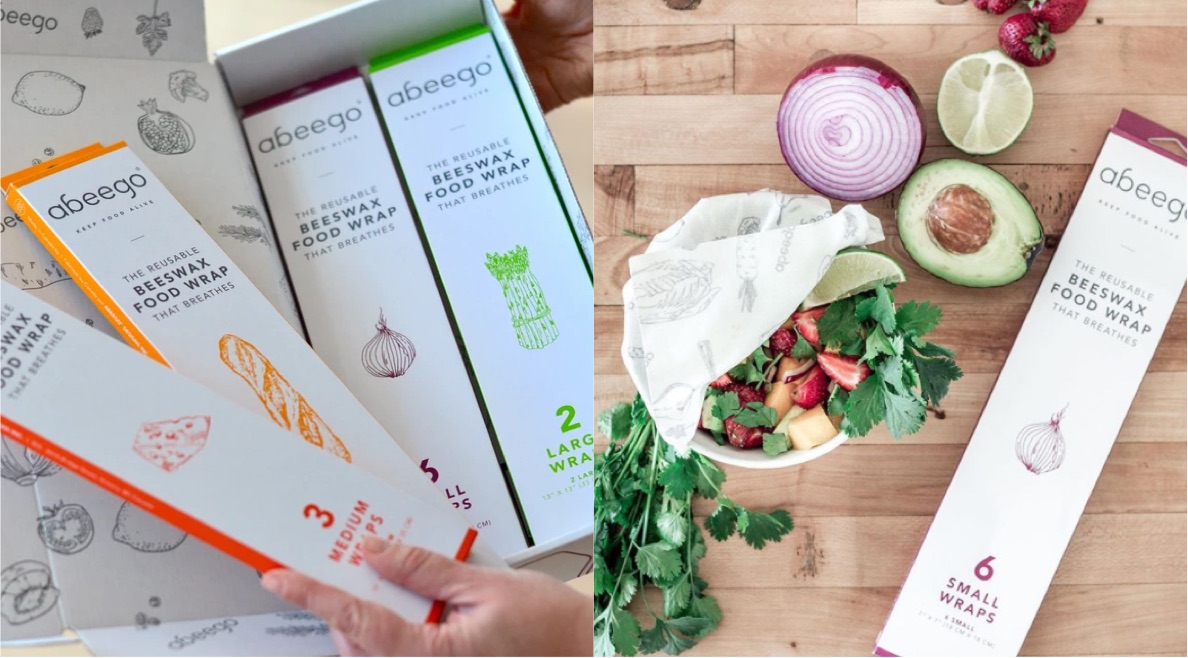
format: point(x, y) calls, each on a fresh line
point(848, 359)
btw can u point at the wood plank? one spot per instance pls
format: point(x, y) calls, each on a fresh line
point(679, 59)
point(664, 193)
point(610, 267)
point(614, 200)
point(767, 56)
point(878, 551)
point(647, 130)
point(910, 480)
point(1098, 13)
point(980, 334)
point(1157, 414)
point(716, 12)
point(1074, 620)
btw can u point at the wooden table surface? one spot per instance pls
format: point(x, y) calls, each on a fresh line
point(688, 91)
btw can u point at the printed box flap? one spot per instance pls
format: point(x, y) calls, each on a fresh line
point(133, 29)
point(282, 60)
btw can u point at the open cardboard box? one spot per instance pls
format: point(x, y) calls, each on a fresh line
point(190, 599)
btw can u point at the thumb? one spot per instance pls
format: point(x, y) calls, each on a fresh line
point(424, 572)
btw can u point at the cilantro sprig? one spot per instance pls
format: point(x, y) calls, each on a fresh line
point(908, 373)
point(645, 534)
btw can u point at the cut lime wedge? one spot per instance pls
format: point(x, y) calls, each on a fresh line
point(984, 102)
point(851, 272)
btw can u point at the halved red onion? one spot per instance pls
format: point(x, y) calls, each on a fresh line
point(851, 127)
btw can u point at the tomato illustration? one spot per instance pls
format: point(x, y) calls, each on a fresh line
point(66, 528)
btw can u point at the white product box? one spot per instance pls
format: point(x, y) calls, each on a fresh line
point(1040, 444)
point(373, 312)
point(122, 601)
point(491, 215)
point(175, 296)
point(187, 455)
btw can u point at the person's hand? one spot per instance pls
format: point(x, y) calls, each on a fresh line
point(555, 39)
point(496, 612)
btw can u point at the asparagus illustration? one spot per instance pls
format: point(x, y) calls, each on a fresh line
point(530, 314)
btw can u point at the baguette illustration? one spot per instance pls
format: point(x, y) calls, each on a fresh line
point(285, 405)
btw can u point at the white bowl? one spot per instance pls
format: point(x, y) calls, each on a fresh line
point(704, 444)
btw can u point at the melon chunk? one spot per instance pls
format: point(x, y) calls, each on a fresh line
point(811, 428)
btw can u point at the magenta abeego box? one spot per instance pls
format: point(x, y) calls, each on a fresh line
point(1041, 441)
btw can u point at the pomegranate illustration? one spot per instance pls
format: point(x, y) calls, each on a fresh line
point(164, 132)
point(66, 528)
point(1040, 446)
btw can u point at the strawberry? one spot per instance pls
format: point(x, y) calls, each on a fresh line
point(721, 382)
point(1060, 15)
point(746, 394)
point(806, 323)
point(782, 341)
point(995, 6)
point(845, 370)
point(810, 389)
point(1026, 40)
point(744, 437)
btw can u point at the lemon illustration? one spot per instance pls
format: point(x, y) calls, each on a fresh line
point(48, 93)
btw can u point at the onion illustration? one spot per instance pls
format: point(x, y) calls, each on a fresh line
point(388, 354)
point(1040, 446)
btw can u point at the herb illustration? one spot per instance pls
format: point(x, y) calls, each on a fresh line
point(33, 275)
point(66, 528)
point(48, 93)
point(747, 265)
point(285, 405)
point(27, 592)
point(530, 314)
point(645, 534)
point(164, 132)
point(184, 84)
point(168, 444)
point(1040, 446)
point(144, 532)
point(673, 290)
point(707, 357)
point(25, 471)
point(389, 353)
point(92, 22)
point(152, 29)
point(669, 408)
point(246, 232)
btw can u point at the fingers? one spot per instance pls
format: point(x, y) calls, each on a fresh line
point(369, 627)
point(345, 645)
point(424, 572)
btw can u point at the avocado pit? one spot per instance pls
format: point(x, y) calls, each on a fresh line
point(959, 219)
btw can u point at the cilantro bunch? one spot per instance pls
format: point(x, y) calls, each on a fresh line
point(908, 373)
point(644, 534)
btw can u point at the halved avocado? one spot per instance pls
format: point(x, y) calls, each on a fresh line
point(967, 224)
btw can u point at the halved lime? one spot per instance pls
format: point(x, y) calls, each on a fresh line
point(984, 102)
point(851, 272)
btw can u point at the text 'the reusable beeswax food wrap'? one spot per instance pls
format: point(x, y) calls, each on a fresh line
point(373, 311)
point(716, 284)
point(1033, 460)
point(174, 295)
point(509, 261)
